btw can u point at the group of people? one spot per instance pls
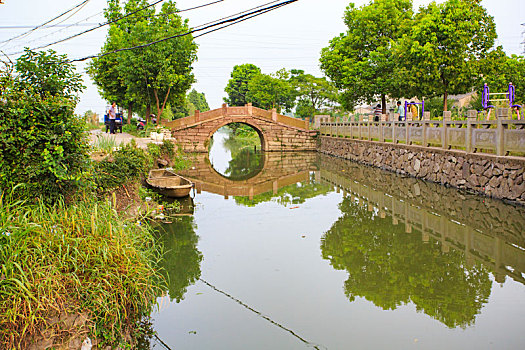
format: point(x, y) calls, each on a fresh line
point(400, 110)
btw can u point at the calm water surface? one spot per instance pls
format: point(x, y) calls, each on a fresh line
point(298, 251)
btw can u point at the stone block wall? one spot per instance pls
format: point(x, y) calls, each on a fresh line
point(498, 177)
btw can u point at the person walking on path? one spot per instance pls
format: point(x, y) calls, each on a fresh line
point(400, 111)
point(112, 116)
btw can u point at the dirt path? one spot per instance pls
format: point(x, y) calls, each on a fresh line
point(119, 138)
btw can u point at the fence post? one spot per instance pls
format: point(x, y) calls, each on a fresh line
point(368, 128)
point(224, 109)
point(472, 115)
point(447, 116)
point(360, 134)
point(197, 116)
point(274, 114)
point(381, 125)
point(426, 119)
point(501, 114)
point(407, 128)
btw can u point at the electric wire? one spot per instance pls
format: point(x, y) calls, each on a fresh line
point(116, 20)
point(308, 343)
point(43, 24)
point(230, 22)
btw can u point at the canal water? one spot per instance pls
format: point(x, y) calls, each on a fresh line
point(306, 251)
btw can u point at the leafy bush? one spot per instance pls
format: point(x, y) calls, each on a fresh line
point(126, 164)
point(43, 145)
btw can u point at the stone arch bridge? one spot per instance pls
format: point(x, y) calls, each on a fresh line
point(277, 132)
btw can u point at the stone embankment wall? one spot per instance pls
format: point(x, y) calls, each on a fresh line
point(498, 177)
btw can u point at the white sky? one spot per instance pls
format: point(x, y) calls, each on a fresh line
point(290, 37)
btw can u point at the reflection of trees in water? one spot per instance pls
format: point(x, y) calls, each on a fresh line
point(181, 261)
point(390, 267)
point(244, 165)
point(288, 195)
point(243, 137)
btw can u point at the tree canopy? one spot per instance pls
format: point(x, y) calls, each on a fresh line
point(360, 62)
point(237, 87)
point(271, 91)
point(440, 54)
point(154, 75)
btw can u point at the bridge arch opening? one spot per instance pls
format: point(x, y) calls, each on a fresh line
point(236, 151)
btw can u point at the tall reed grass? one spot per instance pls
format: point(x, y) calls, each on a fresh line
point(80, 258)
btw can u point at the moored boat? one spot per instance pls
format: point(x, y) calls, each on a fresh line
point(169, 184)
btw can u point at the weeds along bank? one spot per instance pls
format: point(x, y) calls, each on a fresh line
point(73, 271)
point(75, 261)
point(87, 268)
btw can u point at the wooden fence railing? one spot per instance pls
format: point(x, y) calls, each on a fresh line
point(499, 136)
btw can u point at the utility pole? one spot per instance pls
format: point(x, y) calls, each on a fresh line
point(523, 35)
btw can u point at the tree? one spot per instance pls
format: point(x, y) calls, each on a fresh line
point(237, 87)
point(198, 100)
point(313, 93)
point(48, 75)
point(361, 61)
point(440, 55)
point(154, 75)
point(267, 92)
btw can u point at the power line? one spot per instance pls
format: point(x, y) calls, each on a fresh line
point(43, 24)
point(116, 20)
point(230, 22)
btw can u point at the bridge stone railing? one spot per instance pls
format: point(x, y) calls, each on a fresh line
point(247, 110)
point(499, 136)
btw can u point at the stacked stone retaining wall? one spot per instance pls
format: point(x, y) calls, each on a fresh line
point(498, 177)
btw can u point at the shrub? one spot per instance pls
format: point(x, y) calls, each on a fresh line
point(124, 165)
point(43, 145)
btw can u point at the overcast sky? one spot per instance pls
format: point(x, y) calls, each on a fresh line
point(290, 37)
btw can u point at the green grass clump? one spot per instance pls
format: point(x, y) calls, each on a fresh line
point(105, 143)
point(81, 258)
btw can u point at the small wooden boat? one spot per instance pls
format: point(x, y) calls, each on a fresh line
point(169, 184)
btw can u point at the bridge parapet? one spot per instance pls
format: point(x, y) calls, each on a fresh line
point(277, 132)
point(247, 110)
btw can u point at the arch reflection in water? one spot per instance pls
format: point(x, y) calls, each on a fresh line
point(403, 240)
point(287, 178)
point(235, 152)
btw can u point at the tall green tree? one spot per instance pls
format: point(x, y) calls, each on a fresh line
point(198, 100)
point(440, 55)
point(313, 93)
point(271, 91)
point(154, 75)
point(360, 62)
point(237, 87)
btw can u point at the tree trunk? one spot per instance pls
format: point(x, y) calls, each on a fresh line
point(130, 113)
point(383, 103)
point(445, 97)
point(148, 112)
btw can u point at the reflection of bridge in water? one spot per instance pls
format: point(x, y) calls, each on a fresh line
point(488, 231)
point(279, 170)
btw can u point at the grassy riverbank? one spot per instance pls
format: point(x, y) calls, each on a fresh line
point(73, 271)
point(85, 268)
